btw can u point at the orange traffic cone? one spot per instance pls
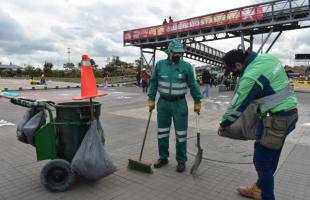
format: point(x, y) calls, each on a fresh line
point(88, 82)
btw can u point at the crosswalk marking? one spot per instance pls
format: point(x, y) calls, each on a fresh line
point(306, 124)
point(6, 123)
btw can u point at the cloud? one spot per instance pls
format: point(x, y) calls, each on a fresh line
point(36, 31)
point(13, 38)
point(4, 60)
point(10, 29)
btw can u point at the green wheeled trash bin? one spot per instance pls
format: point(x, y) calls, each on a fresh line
point(71, 124)
point(74, 118)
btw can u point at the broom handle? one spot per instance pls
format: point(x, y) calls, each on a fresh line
point(91, 109)
point(145, 133)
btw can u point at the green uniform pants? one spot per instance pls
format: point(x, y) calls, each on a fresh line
point(178, 111)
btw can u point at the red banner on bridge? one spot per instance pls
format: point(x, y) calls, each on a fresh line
point(225, 18)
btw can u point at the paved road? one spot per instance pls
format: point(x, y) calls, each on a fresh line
point(15, 84)
point(226, 165)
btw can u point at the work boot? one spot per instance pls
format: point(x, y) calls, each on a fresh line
point(160, 163)
point(251, 191)
point(180, 167)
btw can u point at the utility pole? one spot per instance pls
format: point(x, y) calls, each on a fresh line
point(291, 58)
point(69, 55)
point(262, 51)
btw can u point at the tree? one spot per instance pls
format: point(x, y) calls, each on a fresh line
point(29, 70)
point(47, 68)
point(37, 72)
point(69, 66)
point(117, 67)
point(308, 70)
point(79, 65)
point(93, 63)
point(111, 69)
point(116, 60)
point(138, 64)
point(19, 72)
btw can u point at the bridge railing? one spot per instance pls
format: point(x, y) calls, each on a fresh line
point(252, 13)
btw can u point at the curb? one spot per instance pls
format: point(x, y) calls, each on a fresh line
point(62, 87)
point(41, 88)
point(50, 88)
point(302, 91)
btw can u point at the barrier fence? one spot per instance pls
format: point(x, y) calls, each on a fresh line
point(300, 84)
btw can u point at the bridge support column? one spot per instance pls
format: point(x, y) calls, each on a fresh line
point(151, 52)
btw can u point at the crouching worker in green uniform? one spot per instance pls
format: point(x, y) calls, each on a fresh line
point(170, 78)
point(262, 81)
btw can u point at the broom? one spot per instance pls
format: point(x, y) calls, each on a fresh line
point(138, 164)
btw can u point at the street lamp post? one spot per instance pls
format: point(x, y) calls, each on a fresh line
point(69, 55)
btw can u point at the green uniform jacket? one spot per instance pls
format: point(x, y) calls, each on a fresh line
point(263, 78)
point(173, 79)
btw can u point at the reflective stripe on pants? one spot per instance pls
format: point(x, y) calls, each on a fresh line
point(178, 112)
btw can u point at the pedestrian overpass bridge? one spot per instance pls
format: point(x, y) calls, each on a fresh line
point(244, 22)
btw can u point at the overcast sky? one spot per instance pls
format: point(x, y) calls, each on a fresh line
point(33, 32)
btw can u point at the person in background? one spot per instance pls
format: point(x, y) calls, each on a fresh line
point(214, 80)
point(138, 78)
point(165, 21)
point(43, 79)
point(145, 80)
point(206, 77)
point(170, 19)
point(105, 79)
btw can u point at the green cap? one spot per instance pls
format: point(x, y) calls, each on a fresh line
point(176, 46)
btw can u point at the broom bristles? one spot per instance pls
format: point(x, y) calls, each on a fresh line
point(140, 166)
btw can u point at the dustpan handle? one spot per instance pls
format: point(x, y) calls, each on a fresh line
point(145, 133)
point(197, 122)
point(198, 131)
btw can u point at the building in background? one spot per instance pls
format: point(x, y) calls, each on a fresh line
point(9, 67)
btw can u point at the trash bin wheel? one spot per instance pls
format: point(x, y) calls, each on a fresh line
point(57, 175)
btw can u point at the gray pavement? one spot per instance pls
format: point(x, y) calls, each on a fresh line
point(226, 165)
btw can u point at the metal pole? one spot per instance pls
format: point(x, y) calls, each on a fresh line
point(153, 63)
point(263, 42)
point(69, 55)
point(251, 42)
point(274, 41)
point(141, 58)
point(242, 42)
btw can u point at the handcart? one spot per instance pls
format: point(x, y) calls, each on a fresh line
point(59, 139)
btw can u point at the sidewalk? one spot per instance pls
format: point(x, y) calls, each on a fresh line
point(226, 164)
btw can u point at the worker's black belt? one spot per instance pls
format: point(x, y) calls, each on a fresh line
point(172, 98)
point(285, 113)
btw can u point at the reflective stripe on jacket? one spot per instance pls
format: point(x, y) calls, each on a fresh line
point(265, 82)
point(173, 80)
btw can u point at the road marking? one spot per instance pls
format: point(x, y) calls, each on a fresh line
point(124, 97)
point(6, 123)
point(306, 124)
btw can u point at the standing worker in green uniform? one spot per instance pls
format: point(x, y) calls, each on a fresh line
point(170, 78)
point(263, 81)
